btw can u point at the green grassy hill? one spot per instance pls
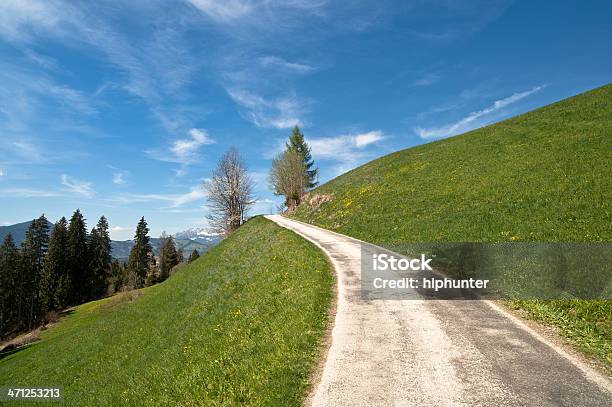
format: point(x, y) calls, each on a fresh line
point(544, 176)
point(240, 326)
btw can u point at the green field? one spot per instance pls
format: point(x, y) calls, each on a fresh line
point(242, 325)
point(544, 176)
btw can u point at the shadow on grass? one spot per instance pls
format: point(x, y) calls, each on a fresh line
point(9, 352)
point(66, 312)
point(31, 338)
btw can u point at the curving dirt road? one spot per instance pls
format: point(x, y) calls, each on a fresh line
point(437, 353)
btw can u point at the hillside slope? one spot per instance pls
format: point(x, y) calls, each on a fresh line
point(544, 176)
point(541, 176)
point(239, 326)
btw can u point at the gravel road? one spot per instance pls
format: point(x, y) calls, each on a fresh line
point(437, 353)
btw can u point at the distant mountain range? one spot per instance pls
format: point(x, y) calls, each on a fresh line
point(196, 234)
point(187, 241)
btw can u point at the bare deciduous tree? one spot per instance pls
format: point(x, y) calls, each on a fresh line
point(230, 193)
point(288, 177)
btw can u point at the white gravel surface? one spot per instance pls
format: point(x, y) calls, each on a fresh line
point(437, 353)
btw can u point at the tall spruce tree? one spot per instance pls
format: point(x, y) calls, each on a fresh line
point(9, 275)
point(168, 257)
point(297, 144)
point(55, 279)
point(78, 261)
point(100, 258)
point(33, 251)
point(141, 255)
point(117, 278)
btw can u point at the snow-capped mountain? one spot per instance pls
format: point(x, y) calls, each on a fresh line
point(199, 235)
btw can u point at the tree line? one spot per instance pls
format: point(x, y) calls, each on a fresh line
point(53, 270)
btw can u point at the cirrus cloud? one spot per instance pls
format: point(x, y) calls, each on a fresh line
point(184, 151)
point(83, 188)
point(472, 120)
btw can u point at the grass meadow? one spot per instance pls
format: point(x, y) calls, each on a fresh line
point(242, 325)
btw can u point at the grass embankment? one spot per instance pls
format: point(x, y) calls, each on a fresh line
point(543, 176)
point(242, 325)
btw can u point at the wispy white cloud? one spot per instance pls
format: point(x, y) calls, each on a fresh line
point(118, 178)
point(427, 79)
point(280, 113)
point(346, 148)
point(472, 120)
point(83, 188)
point(26, 150)
point(2, 173)
point(41, 60)
point(277, 62)
point(28, 193)
point(18, 18)
point(364, 139)
point(255, 11)
point(224, 10)
point(196, 193)
point(31, 103)
point(184, 151)
point(155, 69)
point(181, 171)
point(261, 84)
point(346, 151)
point(435, 110)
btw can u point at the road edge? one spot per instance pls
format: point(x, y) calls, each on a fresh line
point(592, 373)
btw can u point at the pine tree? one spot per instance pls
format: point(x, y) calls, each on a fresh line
point(193, 256)
point(9, 274)
point(168, 257)
point(297, 144)
point(141, 255)
point(117, 278)
point(33, 251)
point(100, 258)
point(78, 261)
point(54, 282)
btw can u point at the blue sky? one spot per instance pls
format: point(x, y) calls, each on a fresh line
point(123, 108)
